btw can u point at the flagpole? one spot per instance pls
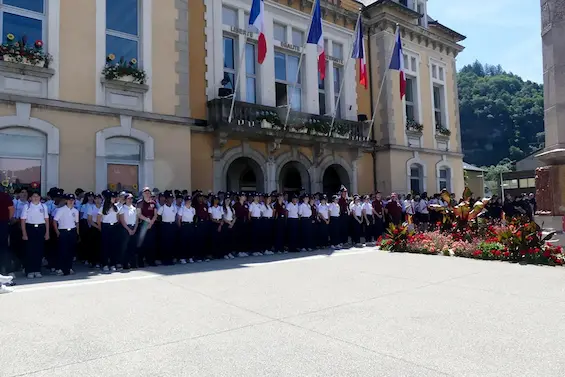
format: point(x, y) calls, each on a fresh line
point(237, 78)
point(382, 82)
point(345, 72)
point(299, 70)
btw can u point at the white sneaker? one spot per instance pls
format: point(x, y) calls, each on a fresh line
point(183, 261)
point(190, 260)
point(363, 245)
point(106, 269)
point(97, 266)
point(60, 273)
point(206, 260)
point(4, 289)
point(38, 275)
point(241, 255)
point(5, 279)
point(231, 256)
point(285, 252)
point(309, 249)
point(268, 252)
point(119, 266)
point(257, 254)
point(226, 257)
point(30, 275)
point(71, 272)
point(113, 268)
point(199, 261)
point(303, 250)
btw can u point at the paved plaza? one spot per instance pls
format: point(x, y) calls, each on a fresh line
point(359, 312)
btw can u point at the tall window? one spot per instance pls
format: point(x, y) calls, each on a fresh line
point(444, 179)
point(438, 81)
point(410, 104)
point(123, 160)
point(438, 113)
point(279, 32)
point(250, 72)
point(122, 29)
point(338, 76)
point(229, 63)
point(286, 69)
point(416, 179)
point(411, 98)
point(23, 18)
point(229, 16)
point(322, 94)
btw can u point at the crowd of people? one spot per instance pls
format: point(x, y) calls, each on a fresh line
point(114, 231)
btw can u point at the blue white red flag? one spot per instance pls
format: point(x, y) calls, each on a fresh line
point(257, 21)
point(316, 36)
point(359, 54)
point(397, 63)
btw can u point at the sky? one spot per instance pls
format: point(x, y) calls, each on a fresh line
point(498, 32)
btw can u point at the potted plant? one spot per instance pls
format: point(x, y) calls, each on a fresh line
point(414, 126)
point(21, 52)
point(123, 71)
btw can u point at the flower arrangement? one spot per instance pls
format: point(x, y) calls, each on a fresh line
point(397, 238)
point(298, 122)
point(123, 70)
point(19, 51)
point(440, 129)
point(412, 125)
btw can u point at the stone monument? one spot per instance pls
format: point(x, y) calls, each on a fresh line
point(550, 179)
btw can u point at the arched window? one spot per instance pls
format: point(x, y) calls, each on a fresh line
point(123, 163)
point(416, 179)
point(22, 158)
point(444, 178)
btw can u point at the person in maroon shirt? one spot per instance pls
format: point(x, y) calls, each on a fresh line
point(241, 209)
point(6, 213)
point(344, 219)
point(202, 234)
point(394, 210)
point(378, 212)
point(280, 213)
point(147, 213)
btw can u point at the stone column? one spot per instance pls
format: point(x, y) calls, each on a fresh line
point(550, 179)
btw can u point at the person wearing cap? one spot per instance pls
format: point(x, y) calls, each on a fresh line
point(216, 212)
point(293, 224)
point(357, 216)
point(281, 214)
point(168, 229)
point(178, 200)
point(110, 233)
point(6, 213)
point(335, 223)
point(79, 196)
point(51, 251)
point(83, 249)
point(66, 226)
point(147, 214)
point(343, 216)
point(323, 221)
point(368, 220)
point(241, 209)
point(378, 215)
point(227, 234)
point(256, 226)
point(315, 238)
point(127, 216)
point(267, 220)
point(186, 220)
point(16, 242)
point(305, 216)
point(94, 236)
point(34, 220)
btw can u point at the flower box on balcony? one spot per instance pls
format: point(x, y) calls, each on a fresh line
point(123, 71)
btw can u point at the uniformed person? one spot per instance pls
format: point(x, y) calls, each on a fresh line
point(186, 220)
point(368, 220)
point(147, 214)
point(202, 243)
point(280, 224)
point(84, 247)
point(293, 224)
point(305, 215)
point(127, 216)
point(52, 250)
point(335, 222)
point(215, 227)
point(35, 231)
point(344, 216)
point(169, 228)
point(241, 209)
point(110, 243)
point(378, 212)
point(357, 220)
point(228, 222)
point(16, 242)
point(256, 234)
point(66, 226)
point(324, 221)
point(94, 236)
point(267, 219)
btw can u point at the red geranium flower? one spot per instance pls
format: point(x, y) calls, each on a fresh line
point(39, 43)
point(518, 234)
point(477, 253)
point(546, 254)
point(497, 253)
point(506, 254)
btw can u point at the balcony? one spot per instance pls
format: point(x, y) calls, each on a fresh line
point(254, 121)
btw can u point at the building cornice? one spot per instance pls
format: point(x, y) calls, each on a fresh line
point(456, 36)
point(381, 5)
point(329, 11)
point(414, 33)
point(397, 147)
point(196, 124)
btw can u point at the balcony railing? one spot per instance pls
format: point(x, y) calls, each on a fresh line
point(258, 117)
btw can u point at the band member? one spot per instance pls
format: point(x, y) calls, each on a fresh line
point(34, 221)
point(344, 216)
point(228, 222)
point(186, 220)
point(324, 221)
point(66, 226)
point(94, 236)
point(110, 245)
point(241, 209)
point(378, 215)
point(305, 215)
point(335, 223)
point(368, 219)
point(257, 238)
point(267, 218)
point(128, 219)
point(280, 227)
point(293, 224)
point(147, 214)
point(169, 228)
point(357, 215)
point(215, 228)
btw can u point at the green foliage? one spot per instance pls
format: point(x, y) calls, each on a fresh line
point(501, 114)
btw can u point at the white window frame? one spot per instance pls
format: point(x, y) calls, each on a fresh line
point(446, 180)
point(286, 32)
point(235, 57)
point(339, 111)
point(117, 161)
point(235, 10)
point(420, 177)
point(136, 38)
point(290, 85)
point(29, 14)
point(251, 75)
point(435, 67)
point(412, 70)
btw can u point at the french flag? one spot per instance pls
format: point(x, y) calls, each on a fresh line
point(359, 53)
point(316, 36)
point(257, 21)
point(397, 63)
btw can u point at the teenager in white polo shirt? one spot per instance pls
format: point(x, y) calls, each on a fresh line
point(35, 231)
point(65, 224)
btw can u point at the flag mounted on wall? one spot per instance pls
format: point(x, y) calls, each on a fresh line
point(316, 36)
point(257, 21)
point(359, 54)
point(397, 63)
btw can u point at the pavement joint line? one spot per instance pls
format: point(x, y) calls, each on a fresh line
point(54, 367)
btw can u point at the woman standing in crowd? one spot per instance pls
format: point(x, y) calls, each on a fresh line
point(409, 208)
point(94, 237)
point(422, 212)
point(335, 222)
point(241, 209)
point(368, 219)
point(66, 226)
point(186, 220)
point(293, 224)
point(215, 228)
point(324, 221)
point(394, 210)
point(147, 214)
point(16, 242)
point(305, 215)
point(169, 228)
point(128, 219)
point(85, 244)
point(315, 239)
point(35, 231)
point(344, 216)
point(110, 243)
point(228, 222)
point(267, 218)
point(378, 215)
point(202, 227)
point(357, 223)
point(280, 218)
point(256, 225)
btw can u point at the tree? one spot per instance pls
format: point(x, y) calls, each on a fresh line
point(501, 114)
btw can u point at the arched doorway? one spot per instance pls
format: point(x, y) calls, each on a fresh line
point(334, 177)
point(294, 177)
point(245, 174)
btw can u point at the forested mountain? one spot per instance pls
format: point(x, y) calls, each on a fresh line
point(501, 114)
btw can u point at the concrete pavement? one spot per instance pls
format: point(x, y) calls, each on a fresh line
point(350, 313)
